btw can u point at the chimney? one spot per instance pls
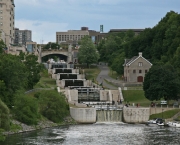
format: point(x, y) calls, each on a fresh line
point(140, 53)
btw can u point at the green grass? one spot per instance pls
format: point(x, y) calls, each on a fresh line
point(15, 127)
point(114, 74)
point(92, 73)
point(166, 114)
point(46, 82)
point(136, 96)
point(109, 83)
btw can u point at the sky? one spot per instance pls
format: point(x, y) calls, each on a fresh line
point(46, 17)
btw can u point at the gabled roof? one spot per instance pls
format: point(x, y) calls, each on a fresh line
point(128, 62)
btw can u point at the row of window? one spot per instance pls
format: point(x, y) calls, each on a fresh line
point(140, 71)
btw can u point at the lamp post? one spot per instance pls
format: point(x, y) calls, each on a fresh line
point(162, 113)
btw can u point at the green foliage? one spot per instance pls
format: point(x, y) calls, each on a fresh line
point(4, 116)
point(87, 52)
point(2, 136)
point(2, 46)
point(52, 46)
point(165, 114)
point(33, 69)
point(26, 109)
point(53, 105)
point(14, 76)
point(161, 82)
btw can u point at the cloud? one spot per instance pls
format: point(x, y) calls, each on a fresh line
point(42, 30)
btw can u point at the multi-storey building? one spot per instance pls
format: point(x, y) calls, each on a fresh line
point(70, 35)
point(7, 20)
point(22, 37)
point(73, 36)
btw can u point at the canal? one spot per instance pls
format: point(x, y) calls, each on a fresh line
point(99, 134)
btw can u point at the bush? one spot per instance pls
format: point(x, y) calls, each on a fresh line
point(53, 105)
point(4, 116)
point(26, 109)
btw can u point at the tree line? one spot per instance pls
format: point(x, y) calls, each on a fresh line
point(17, 75)
point(160, 45)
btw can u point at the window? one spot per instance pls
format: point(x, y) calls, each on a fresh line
point(134, 71)
point(140, 64)
point(140, 71)
point(146, 71)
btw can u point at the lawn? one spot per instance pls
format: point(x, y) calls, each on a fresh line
point(114, 74)
point(46, 82)
point(92, 73)
point(166, 114)
point(136, 96)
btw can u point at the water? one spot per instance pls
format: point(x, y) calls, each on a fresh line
point(109, 115)
point(99, 134)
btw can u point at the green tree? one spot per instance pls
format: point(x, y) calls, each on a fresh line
point(87, 52)
point(53, 105)
point(51, 45)
point(2, 46)
point(4, 116)
point(33, 69)
point(26, 109)
point(161, 82)
point(14, 75)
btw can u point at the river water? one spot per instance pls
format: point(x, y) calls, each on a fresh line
point(99, 134)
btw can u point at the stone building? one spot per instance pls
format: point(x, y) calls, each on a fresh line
point(136, 68)
point(7, 20)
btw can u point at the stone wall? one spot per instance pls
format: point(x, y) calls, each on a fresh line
point(83, 115)
point(136, 115)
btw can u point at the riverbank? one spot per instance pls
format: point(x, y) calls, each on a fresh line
point(22, 128)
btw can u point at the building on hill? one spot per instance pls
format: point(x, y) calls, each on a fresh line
point(73, 36)
point(22, 36)
point(136, 68)
point(136, 31)
point(7, 20)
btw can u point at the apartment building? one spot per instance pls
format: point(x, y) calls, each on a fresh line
point(22, 36)
point(7, 20)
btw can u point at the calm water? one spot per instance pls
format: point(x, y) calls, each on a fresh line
point(99, 134)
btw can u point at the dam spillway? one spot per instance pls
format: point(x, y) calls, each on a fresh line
point(108, 115)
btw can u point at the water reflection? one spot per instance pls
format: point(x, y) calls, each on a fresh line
point(99, 134)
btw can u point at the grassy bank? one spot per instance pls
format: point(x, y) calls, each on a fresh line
point(135, 96)
point(165, 114)
point(113, 74)
point(92, 73)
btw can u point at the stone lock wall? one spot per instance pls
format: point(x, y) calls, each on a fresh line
point(136, 115)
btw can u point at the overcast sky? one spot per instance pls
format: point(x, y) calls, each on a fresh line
point(46, 17)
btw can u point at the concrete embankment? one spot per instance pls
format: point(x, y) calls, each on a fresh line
point(83, 115)
point(136, 115)
point(130, 115)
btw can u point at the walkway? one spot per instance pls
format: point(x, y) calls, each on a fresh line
point(104, 75)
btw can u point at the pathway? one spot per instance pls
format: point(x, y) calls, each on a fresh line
point(104, 75)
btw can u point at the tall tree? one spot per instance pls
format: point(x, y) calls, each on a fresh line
point(13, 73)
point(161, 82)
point(33, 69)
point(87, 52)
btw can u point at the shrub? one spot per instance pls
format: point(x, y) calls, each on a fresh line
point(4, 116)
point(53, 105)
point(26, 109)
